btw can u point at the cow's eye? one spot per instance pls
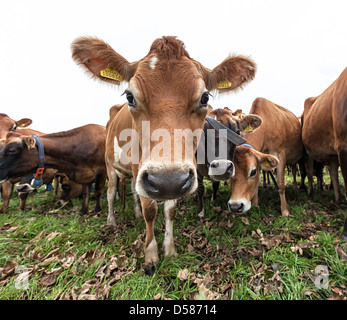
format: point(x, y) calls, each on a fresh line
point(204, 99)
point(253, 173)
point(131, 99)
point(11, 151)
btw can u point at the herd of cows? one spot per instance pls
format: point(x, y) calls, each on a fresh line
point(167, 95)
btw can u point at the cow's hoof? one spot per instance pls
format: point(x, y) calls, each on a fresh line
point(152, 268)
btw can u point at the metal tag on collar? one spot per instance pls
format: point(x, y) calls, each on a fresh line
point(37, 181)
point(231, 135)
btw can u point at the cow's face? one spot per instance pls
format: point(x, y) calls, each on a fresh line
point(18, 156)
point(245, 182)
point(68, 189)
point(7, 124)
point(167, 97)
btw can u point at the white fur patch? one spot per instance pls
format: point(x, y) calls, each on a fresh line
point(117, 150)
point(153, 62)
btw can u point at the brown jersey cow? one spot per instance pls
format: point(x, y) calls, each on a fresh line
point(167, 96)
point(276, 143)
point(324, 132)
point(79, 153)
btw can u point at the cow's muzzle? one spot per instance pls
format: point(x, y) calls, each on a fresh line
point(221, 170)
point(166, 182)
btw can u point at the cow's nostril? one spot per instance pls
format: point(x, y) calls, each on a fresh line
point(230, 168)
point(215, 164)
point(150, 183)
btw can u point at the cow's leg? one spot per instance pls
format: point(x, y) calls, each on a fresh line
point(302, 169)
point(319, 174)
point(111, 193)
point(309, 171)
point(137, 208)
point(168, 245)
point(149, 209)
point(85, 203)
point(7, 189)
point(264, 179)
point(100, 181)
point(294, 171)
point(343, 164)
point(281, 184)
point(344, 233)
point(215, 186)
point(22, 200)
point(334, 166)
point(55, 186)
point(201, 191)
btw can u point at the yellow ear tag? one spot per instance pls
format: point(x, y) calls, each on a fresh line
point(248, 129)
point(111, 74)
point(224, 84)
point(265, 164)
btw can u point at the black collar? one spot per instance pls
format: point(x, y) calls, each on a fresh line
point(232, 136)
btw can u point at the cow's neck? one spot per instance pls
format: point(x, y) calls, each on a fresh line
point(58, 152)
point(254, 140)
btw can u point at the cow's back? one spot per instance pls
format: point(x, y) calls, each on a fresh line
point(279, 130)
point(325, 121)
point(339, 112)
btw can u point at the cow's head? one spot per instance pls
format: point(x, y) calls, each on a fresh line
point(222, 167)
point(244, 184)
point(7, 124)
point(68, 189)
point(18, 156)
point(167, 92)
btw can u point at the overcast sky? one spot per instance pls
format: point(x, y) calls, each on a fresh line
point(300, 47)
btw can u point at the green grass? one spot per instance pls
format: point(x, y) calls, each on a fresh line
point(257, 255)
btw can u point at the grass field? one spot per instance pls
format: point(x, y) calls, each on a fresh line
point(51, 253)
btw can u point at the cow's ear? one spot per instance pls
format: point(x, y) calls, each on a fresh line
point(30, 142)
point(268, 162)
point(233, 73)
point(250, 123)
point(101, 61)
point(22, 123)
point(209, 109)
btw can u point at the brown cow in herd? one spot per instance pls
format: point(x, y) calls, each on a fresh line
point(276, 143)
point(324, 133)
point(9, 125)
point(167, 94)
point(79, 153)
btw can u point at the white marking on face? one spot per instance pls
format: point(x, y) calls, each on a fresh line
point(153, 62)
